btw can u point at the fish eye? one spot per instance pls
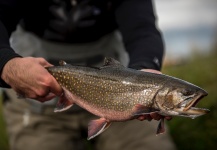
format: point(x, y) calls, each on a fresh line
point(187, 92)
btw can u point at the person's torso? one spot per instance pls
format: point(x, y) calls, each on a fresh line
point(72, 21)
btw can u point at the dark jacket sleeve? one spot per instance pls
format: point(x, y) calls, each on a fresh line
point(143, 41)
point(9, 17)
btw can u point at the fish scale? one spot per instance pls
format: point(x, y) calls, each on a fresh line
point(116, 93)
point(119, 95)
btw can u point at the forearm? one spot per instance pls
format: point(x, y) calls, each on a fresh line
point(10, 15)
point(6, 52)
point(142, 40)
point(5, 56)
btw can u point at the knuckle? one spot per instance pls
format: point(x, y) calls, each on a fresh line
point(40, 59)
point(41, 100)
point(41, 92)
point(47, 80)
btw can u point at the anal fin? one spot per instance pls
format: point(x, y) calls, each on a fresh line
point(96, 127)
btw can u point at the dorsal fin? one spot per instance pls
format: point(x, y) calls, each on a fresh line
point(108, 61)
point(62, 63)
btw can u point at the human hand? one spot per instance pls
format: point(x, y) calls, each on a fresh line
point(29, 78)
point(152, 115)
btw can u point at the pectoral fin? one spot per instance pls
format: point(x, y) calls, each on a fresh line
point(139, 109)
point(95, 127)
point(161, 128)
point(63, 104)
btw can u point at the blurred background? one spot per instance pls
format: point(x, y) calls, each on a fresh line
point(189, 28)
point(187, 25)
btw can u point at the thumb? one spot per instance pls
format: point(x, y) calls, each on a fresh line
point(43, 62)
point(55, 87)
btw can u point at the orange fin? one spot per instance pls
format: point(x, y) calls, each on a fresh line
point(160, 128)
point(96, 127)
point(63, 104)
point(139, 109)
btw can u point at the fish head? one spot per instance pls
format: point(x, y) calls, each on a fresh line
point(180, 99)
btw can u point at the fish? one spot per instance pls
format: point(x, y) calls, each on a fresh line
point(116, 93)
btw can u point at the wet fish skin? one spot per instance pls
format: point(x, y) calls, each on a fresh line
point(116, 93)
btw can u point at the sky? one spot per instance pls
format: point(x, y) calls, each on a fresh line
point(186, 24)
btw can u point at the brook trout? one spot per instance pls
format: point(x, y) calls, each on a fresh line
point(116, 93)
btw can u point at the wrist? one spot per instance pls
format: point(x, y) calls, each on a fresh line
point(8, 67)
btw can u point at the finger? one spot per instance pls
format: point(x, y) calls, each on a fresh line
point(168, 118)
point(156, 116)
point(43, 62)
point(144, 117)
point(55, 87)
point(46, 98)
point(141, 118)
point(148, 117)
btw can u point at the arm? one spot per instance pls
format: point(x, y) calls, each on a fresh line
point(9, 18)
point(27, 76)
point(6, 52)
point(142, 40)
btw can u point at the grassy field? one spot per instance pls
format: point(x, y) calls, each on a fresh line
point(188, 134)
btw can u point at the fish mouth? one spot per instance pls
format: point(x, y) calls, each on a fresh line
point(187, 107)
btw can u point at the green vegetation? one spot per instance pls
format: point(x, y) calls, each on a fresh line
point(188, 134)
point(200, 133)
